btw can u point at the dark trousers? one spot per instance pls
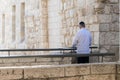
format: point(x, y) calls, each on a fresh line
point(82, 59)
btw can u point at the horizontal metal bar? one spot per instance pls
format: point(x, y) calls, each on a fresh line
point(93, 47)
point(61, 55)
point(49, 49)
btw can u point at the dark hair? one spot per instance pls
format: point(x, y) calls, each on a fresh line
point(82, 24)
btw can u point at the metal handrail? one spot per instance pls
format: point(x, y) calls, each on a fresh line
point(50, 49)
point(72, 49)
point(45, 49)
point(66, 54)
point(62, 55)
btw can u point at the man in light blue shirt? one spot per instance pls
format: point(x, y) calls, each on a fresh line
point(82, 41)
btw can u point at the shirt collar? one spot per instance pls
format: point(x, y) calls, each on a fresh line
point(82, 28)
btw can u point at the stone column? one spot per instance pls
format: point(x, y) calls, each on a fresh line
point(54, 23)
point(44, 23)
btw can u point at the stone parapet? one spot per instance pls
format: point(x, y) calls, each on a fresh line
point(102, 71)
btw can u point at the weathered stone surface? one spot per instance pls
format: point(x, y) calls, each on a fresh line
point(96, 38)
point(43, 59)
point(118, 77)
point(102, 38)
point(26, 59)
point(103, 69)
point(94, 27)
point(114, 27)
point(113, 38)
point(77, 70)
point(104, 27)
point(43, 72)
point(7, 60)
point(104, 18)
point(62, 72)
point(99, 77)
point(54, 23)
point(11, 74)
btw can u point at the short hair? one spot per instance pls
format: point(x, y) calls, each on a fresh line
point(82, 24)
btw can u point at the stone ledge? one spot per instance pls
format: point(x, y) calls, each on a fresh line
point(97, 71)
point(103, 68)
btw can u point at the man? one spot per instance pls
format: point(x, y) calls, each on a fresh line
point(82, 41)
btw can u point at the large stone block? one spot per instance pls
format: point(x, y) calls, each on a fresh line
point(1, 61)
point(102, 38)
point(114, 49)
point(96, 38)
point(115, 8)
point(104, 27)
point(111, 38)
point(100, 77)
point(77, 70)
point(94, 27)
point(114, 26)
point(103, 69)
point(43, 59)
point(11, 74)
point(107, 9)
point(10, 60)
point(26, 60)
point(115, 17)
point(43, 72)
point(57, 59)
point(45, 63)
point(103, 18)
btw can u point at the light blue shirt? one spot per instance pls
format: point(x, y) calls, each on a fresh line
point(82, 41)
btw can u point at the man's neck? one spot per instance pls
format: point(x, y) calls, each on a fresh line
point(82, 28)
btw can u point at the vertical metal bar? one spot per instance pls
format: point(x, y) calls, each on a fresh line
point(98, 58)
point(72, 51)
point(91, 50)
point(63, 52)
point(102, 58)
point(60, 51)
point(8, 53)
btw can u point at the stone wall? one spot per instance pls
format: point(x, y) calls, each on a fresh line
point(74, 11)
point(108, 16)
point(37, 25)
point(104, 71)
point(54, 23)
point(101, 18)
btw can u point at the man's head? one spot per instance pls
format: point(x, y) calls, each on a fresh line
point(82, 24)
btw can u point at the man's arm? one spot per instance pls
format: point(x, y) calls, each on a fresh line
point(75, 40)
